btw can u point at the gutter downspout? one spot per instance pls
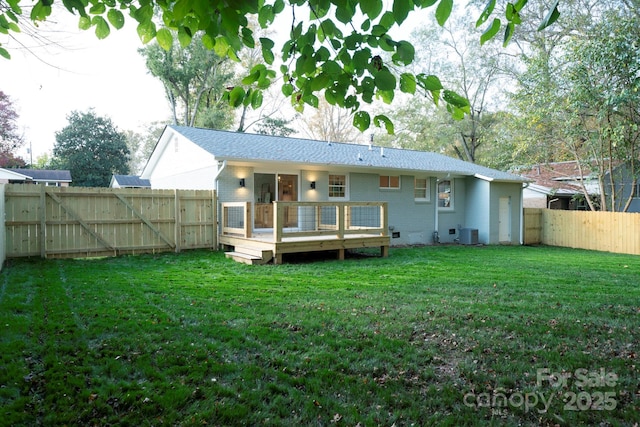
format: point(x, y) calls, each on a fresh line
point(220, 169)
point(436, 232)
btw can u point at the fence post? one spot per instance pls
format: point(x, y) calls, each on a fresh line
point(43, 221)
point(177, 224)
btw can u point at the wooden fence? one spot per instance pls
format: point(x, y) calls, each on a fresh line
point(57, 222)
point(602, 231)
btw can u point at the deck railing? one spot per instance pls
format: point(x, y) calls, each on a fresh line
point(305, 219)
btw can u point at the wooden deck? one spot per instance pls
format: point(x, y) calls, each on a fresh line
point(303, 227)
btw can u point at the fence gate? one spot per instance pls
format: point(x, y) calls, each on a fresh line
point(54, 222)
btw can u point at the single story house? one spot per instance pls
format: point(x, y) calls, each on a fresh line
point(129, 181)
point(431, 198)
point(54, 178)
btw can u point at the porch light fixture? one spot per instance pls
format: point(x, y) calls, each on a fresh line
point(313, 185)
point(242, 182)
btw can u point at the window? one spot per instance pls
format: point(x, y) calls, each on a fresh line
point(389, 182)
point(338, 186)
point(421, 190)
point(445, 194)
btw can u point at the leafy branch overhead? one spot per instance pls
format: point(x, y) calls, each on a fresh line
point(339, 49)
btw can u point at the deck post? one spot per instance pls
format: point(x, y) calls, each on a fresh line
point(278, 222)
point(385, 218)
point(248, 229)
point(340, 213)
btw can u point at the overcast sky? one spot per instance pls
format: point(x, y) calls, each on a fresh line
point(83, 72)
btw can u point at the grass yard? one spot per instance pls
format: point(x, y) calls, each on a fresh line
point(445, 335)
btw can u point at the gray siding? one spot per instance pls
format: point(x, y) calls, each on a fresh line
point(415, 221)
point(478, 212)
point(450, 220)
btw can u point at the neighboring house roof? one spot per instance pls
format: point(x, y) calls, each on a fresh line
point(11, 175)
point(224, 145)
point(559, 178)
point(44, 175)
point(130, 181)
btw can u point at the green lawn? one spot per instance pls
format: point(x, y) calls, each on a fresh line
point(445, 335)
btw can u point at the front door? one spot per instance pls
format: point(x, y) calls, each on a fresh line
point(504, 220)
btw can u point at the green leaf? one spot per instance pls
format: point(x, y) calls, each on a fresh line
point(401, 9)
point(508, 33)
point(381, 119)
point(267, 52)
point(490, 32)
point(84, 23)
point(311, 99)
point(221, 46)
point(486, 13)
point(98, 9)
point(443, 11)
point(184, 37)
point(385, 80)
point(146, 31)
point(386, 95)
point(361, 120)
point(207, 41)
point(256, 99)
point(405, 53)
point(345, 14)
point(456, 113)
point(40, 11)
point(116, 18)
point(164, 38)
point(408, 83)
point(236, 96)
point(457, 101)
point(287, 89)
point(102, 27)
point(266, 15)
point(387, 20)
point(520, 4)
point(429, 83)
point(371, 8)
point(4, 53)
point(551, 17)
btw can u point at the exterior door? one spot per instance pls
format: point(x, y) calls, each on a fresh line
point(504, 220)
point(288, 192)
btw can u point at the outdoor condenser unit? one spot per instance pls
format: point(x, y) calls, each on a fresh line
point(469, 236)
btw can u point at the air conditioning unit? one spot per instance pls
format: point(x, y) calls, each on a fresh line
point(469, 236)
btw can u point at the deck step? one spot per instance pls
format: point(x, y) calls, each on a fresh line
point(265, 254)
point(256, 257)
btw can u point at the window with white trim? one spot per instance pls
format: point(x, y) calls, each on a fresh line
point(337, 186)
point(389, 182)
point(421, 191)
point(445, 194)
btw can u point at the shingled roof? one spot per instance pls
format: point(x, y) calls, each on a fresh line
point(130, 181)
point(235, 146)
point(44, 175)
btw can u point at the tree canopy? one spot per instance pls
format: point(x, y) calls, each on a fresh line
point(340, 49)
point(92, 148)
point(10, 138)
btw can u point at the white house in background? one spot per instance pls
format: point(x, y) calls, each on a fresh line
point(431, 198)
point(128, 181)
point(54, 178)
